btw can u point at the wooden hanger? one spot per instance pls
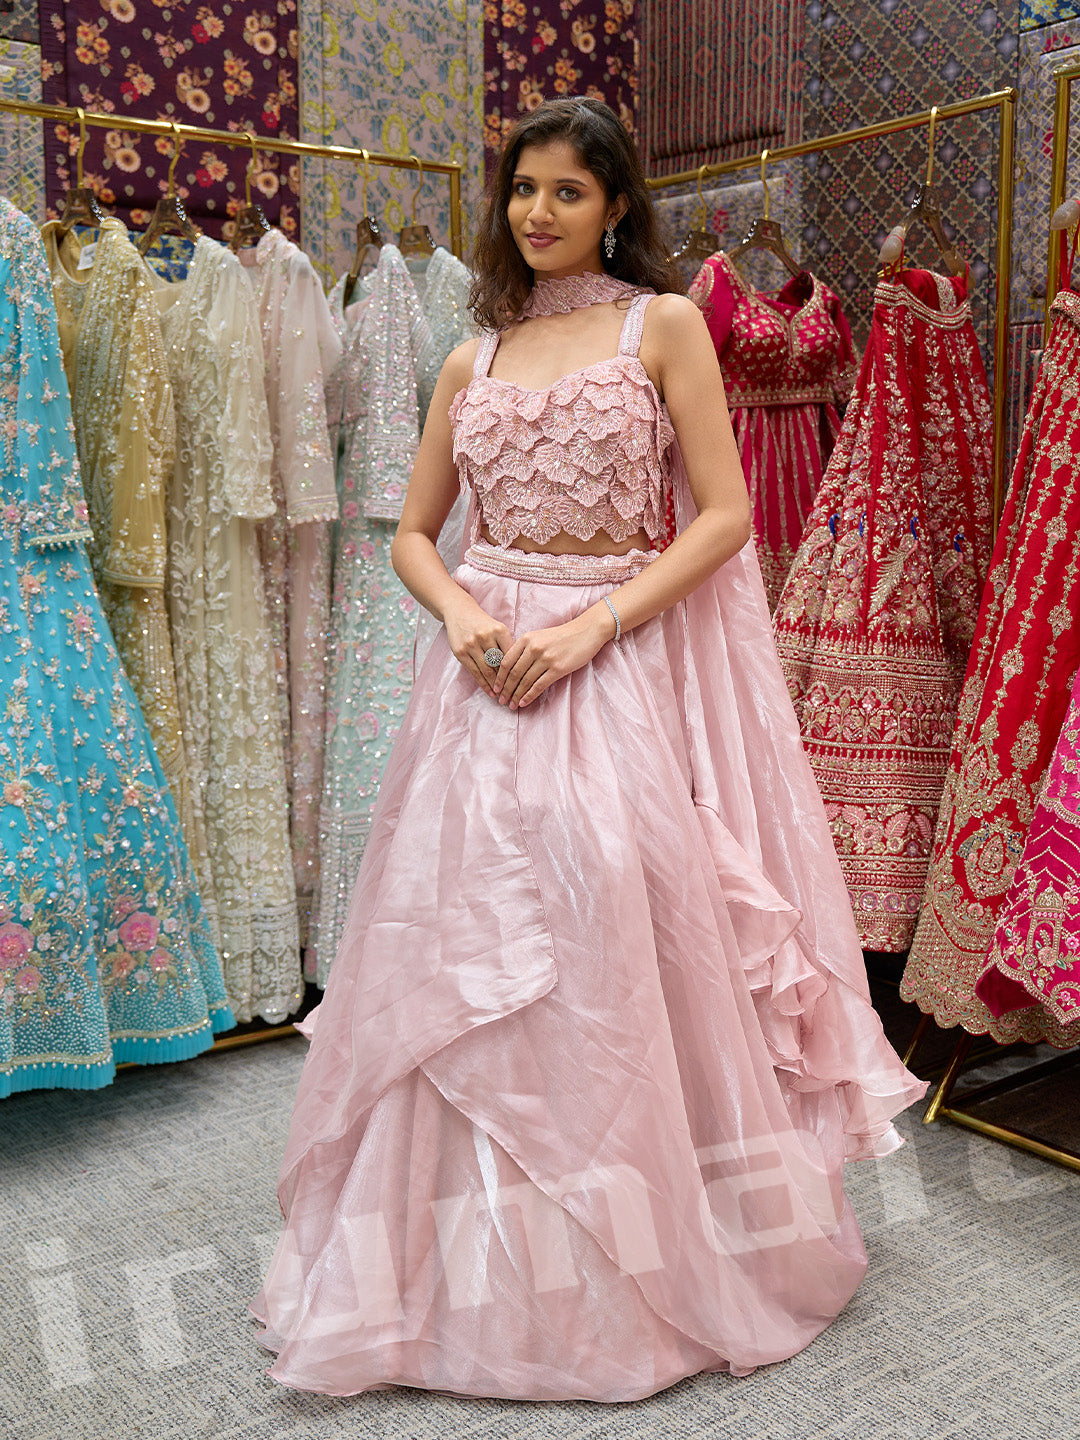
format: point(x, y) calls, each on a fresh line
point(766, 234)
point(367, 234)
point(926, 206)
point(699, 244)
point(416, 239)
point(81, 205)
point(251, 221)
point(169, 212)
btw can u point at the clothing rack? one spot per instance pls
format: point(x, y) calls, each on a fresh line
point(1004, 101)
point(243, 139)
point(939, 1106)
point(1059, 163)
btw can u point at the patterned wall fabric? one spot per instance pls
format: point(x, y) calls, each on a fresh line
point(538, 51)
point(19, 21)
point(228, 66)
point(22, 153)
point(401, 78)
point(866, 62)
point(1042, 54)
point(720, 79)
point(1036, 13)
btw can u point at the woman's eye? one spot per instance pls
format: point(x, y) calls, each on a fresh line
point(522, 187)
point(567, 194)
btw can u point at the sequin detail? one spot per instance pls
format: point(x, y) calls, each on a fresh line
point(581, 456)
point(560, 294)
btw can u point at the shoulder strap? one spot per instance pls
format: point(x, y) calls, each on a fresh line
point(633, 324)
point(485, 352)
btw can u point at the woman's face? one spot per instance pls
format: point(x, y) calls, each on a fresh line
point(557, 210)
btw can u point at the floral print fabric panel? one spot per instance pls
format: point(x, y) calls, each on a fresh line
point(402, 79)
point(1035, 14)
point(22, 151)
point(229, 66)
point(105, 951)
point(537, 50)
point(19, 21)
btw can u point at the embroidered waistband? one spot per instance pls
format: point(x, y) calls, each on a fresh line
point(557, 569)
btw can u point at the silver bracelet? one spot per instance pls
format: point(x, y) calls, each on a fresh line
point(618, 622)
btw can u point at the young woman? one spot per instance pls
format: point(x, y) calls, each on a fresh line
point(597, 1040)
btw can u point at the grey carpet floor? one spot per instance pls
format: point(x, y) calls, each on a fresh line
point(134, 1221)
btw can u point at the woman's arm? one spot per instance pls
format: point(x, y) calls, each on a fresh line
point(433, 488)
point(678, 353)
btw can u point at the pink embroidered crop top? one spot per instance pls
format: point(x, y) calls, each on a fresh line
point(582, 455)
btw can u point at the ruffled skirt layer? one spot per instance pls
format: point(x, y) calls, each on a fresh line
point(584, 1079)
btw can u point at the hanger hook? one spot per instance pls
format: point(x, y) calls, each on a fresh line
point(251, 166)
point(764, 182)
point(419, 183)
point(81, 113)
point(930, 155)
point(178, 145)
point(701, 197)
point(367, 179)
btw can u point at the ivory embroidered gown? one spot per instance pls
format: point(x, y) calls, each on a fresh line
point(393, 347)
point(220, 621)
point(597, 1040)
point(300, 347)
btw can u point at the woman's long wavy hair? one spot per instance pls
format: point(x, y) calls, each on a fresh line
point(502, 277)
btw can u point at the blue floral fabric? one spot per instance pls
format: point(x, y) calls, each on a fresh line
point(105, 952)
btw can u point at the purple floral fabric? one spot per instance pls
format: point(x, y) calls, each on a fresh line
point(538, 51)
point(228, 66)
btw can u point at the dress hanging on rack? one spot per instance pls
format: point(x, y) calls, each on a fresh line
point(122, 404)
point(221, 626)
point(300, 347)
point(875, 621)
point(1035, 958)
point(106, 954)
point(373, 404)
point(1014, 703)
point(787, 364)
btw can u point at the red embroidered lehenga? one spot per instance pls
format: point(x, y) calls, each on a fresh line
point(1016, 693)
point(876, 618)
point(787, 363)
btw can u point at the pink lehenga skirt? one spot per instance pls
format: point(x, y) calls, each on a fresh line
point(597, 1040)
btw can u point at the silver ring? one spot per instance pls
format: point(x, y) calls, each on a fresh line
point(493, 657)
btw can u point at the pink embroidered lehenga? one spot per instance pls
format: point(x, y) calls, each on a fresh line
point(787, 363)
point(597, 1040)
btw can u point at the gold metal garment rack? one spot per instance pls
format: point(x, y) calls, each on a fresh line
point(1059, 168)
point(240, 139)
point(939, 1106)
point(1004, 101)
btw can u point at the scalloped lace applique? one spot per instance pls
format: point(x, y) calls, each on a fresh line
point(583, 455)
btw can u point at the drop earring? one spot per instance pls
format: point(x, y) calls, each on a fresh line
point(609, 239)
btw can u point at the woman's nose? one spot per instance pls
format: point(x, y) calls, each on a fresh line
point(539, 209)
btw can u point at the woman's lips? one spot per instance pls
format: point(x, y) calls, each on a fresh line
point(541, 242)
